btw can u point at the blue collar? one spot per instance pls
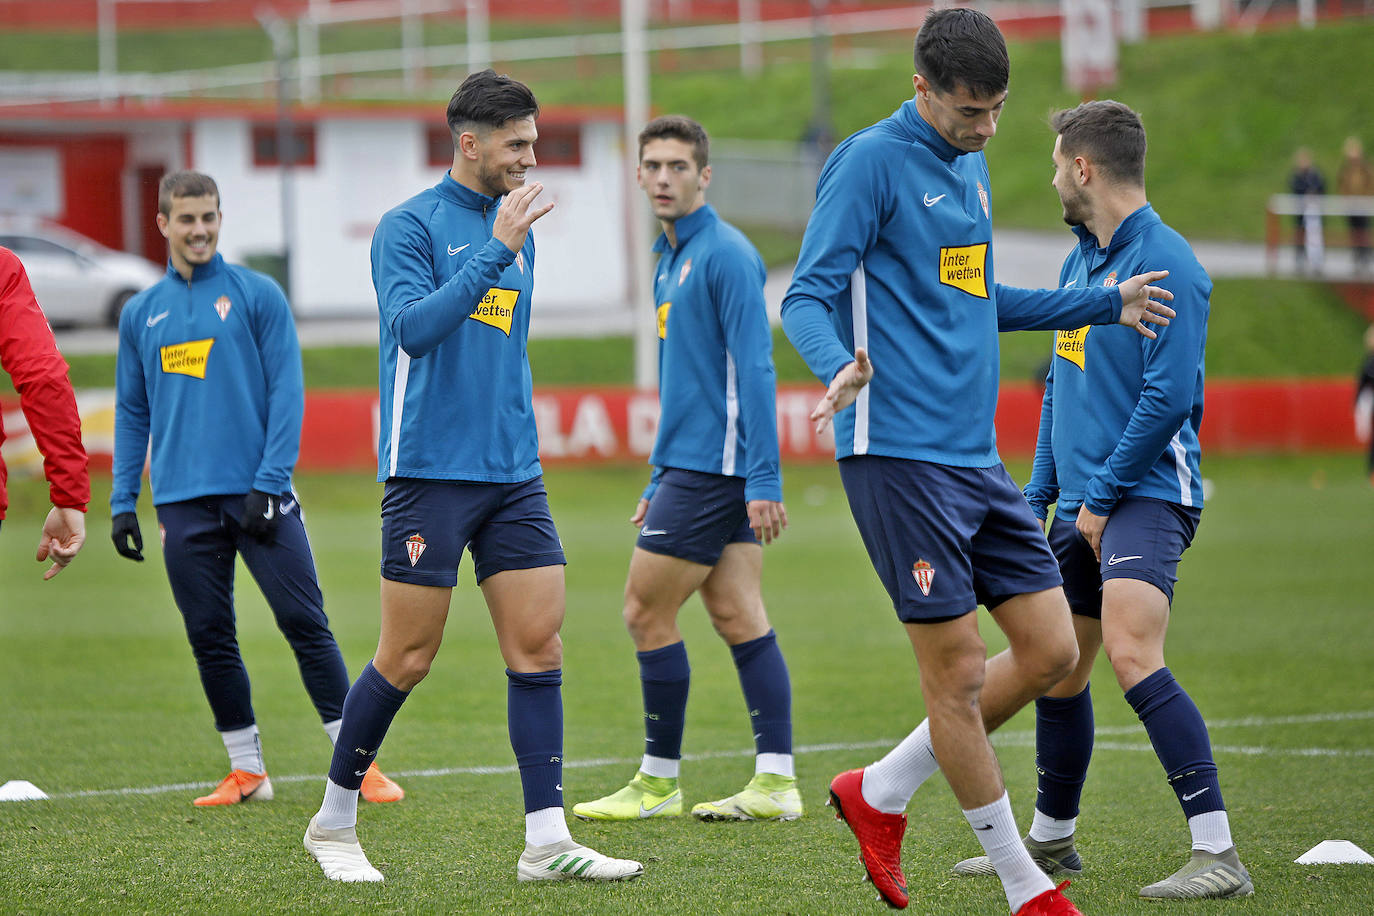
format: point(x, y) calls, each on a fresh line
point(1131, 227)
point(462, 195)
point(920, 129)
point(688, 226)
point(198, 271)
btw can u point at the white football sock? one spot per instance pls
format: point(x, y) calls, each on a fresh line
point(339, 808)
point(1211, 831)
point(661, 767)
point(245, 749)
point(1045, 828)
point(995, 828)
point(889, 783)
point(332, 730)
point(778, 764)
point(545, 826)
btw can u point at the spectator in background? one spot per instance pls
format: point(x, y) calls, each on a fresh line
point(1364, 400)
point(29, 354)
point(1356, 179)
point(1308, 183)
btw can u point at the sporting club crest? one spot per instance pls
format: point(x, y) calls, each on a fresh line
point(222, 306)
point(686, 269)
point(415, 546)
point(924, 575)
point(983, 199)
point(1111, 279)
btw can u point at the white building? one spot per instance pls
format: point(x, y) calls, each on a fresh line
point(95, 169)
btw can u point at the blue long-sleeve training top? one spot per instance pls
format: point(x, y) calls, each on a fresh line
point(211, 369)
point(716, 385)
point(897, 258)
point(1121, 412)
point(454, 306)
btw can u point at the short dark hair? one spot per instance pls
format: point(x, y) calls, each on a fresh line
point(678, 127)
point(962, 47)
point(487, 100)
point(184, 184)
point(1107, 132)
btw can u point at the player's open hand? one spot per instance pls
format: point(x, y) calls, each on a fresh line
point(1142, 303)
point(641, 510)
point(767, 518)
point(64, 531)
point(517, 213)
point(844, 388)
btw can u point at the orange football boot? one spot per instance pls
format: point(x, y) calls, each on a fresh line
point(239, 786)
point(378, 787)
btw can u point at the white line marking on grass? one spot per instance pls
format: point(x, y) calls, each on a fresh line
point(1024, 738)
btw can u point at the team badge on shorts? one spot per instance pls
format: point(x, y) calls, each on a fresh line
point(415, 545)
point(222, 306)
point(924, 574)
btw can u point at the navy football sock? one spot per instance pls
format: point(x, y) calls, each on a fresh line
point(767, 693)
point(1063, 748)
point(371, 704)
point(534, 717)
point(1180, 739)
point(664, 679)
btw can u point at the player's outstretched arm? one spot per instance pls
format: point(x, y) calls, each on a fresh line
point(844, 388)
point(767, 518)
point(1139, 305)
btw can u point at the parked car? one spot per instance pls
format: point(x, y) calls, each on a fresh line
point(77, 280)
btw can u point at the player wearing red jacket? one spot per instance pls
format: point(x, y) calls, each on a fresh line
point(29, 354)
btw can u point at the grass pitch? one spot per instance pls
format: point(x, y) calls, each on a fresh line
point(1272, 636)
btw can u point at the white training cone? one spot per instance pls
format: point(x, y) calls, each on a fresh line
point(21, 790)
point(1335, 852)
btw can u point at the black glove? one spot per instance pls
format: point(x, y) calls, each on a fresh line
point(261, 513)
point(123, 529)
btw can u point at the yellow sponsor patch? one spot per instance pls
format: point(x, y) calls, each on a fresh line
point(1072, 345)
point(187, 358)
point(663, 320)
point(497, 308)
point(965, 267)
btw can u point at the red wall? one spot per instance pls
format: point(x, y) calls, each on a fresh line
point(91, 167)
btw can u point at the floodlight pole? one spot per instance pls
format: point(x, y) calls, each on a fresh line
point(280, 33)
point(107, 49)
point(478, 36)
point(634, 17)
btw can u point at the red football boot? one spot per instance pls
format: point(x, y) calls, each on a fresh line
point(1051, 903)
point(879, 836)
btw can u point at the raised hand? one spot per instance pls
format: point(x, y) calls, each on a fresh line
point(1138, 304)
point(516, 214)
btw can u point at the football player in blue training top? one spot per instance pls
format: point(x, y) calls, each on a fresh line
point(209, 366)
point(894, 306)
point(1118, 457)
point(454, 272)
point(715, 493)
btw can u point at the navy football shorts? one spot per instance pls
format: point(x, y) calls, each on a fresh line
point(946, 539)
point(694, 515)
point(1144, 539)
point(427, 523)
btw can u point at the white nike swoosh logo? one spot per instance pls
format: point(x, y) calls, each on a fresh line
point(932, 201)
point(1070, 283)
point(287, 506)
point(650, 812)
point(360, 772)
point(1114, 559)
point(156, 318)
point(1196, 794)
point(453, 251)
point(652, 532)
